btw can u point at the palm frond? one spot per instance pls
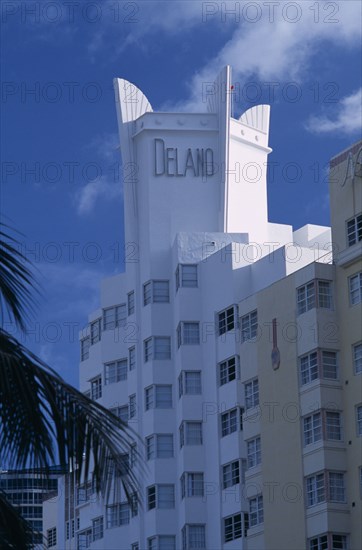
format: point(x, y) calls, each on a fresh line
point(17, 285)
point(44, 420)
point(15, 532)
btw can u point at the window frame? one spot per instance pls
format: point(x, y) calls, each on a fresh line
point(182, 281)
point(249, 326)
point(150, 292)
point(227, 320)
point(356, 232)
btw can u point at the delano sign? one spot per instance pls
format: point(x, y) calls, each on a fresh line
point(169, 161)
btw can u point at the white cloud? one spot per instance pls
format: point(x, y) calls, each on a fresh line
point(97, 189)
point(279, 50)
point(347, 117)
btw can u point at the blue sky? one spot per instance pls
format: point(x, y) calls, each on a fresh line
point(61, 182)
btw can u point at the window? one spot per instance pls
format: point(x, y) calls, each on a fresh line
point(135, 546)
point(312, 428)
point(315, 489)
point(84, 539)
point(232, 528)
point(156, 292)
point(52, 536)
point(329, 365)
point(161, 496)
point(314, 294)
point(132, 358)
point(158, 397)
point(193, 536)
point(189, 383)
point(115, 371)
point(118, 514)
point(134, 504)
point(339, 542)
point(159, 446)
point(355, 289)
point(121, 412)
point(97, 528)
point(84, 348)
point(228, 370)
point(95, 330)
point(357, 358)
point(354, 230)
point(252, 394)
point(309, 368)
point(231, 473)
point(96, 387)
point(186, 276)
point(227, 319)
point(359, 419)
point(256, 511)
point(162, 542)
point(190, 433)
point(114, 317)
point(188, 333)
point(132, 406)
point(157, 347)
point(130, 302)
point(249, 326)
point(319, 543)
point(254, 452)
point(336, 487)
point(333, 425)
point(229, 422)
point(192, 484)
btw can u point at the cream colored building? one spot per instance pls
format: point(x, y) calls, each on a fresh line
point(302, 376)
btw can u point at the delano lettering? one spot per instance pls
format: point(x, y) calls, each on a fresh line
point(168, 161)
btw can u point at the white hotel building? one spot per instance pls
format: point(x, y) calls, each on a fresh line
point(221, 344)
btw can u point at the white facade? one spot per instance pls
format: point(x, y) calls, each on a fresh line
point(198, 243)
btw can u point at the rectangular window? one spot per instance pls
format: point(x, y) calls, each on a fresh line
point(52, 537)
point(186, 276)
point(354, 230)
point(254, 452)
point(159, 397)
point(161, 496)
point(189, 383)
point(229, 422)
point(96, 387)
point(190, 433)
point(232, 527)
point(306, 298)
point(249, 326)
point(84, 539)
point(156, 292)
point(309, 368)
point(252, 394)
point(333, 425)
point(159, 446)
point(355, 289)
point(192, 484)
point(84, 348)
point(336, 487)
point(130, 302)
point(114, 317)
point(315, 487)
point(325, 294)
point(162, 347)
point(256, 511)
point(359, 419)
point(319, 543)
point(357, 358)
point(193, 537)
point(314, 294)
point(312, 428)
point(121, 412)
point(97, 528)
point(132, 406)
point(227, 320)
point(231, 474)
point(115, 371)
point(228, 370)
point(112, 516)
point(95, 330)
point(135, 546)
point(188, 333)
point(329, 365)
point(148, 349)
point(132, 358)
